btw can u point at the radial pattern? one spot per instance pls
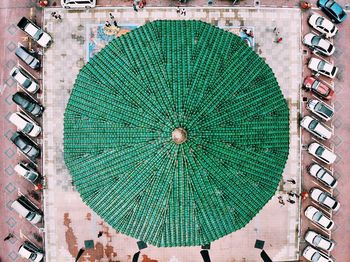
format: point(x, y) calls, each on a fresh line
point(176, 133)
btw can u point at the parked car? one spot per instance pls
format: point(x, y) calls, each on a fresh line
point(333, 10)
point(319, 218)
point(31, 252)
point(28, 104)
point(320, 109)
point(23, 78)
point(26, 145)
point(322, 153)
point(318, 87)
point(322, 67)
point(323, 25)
point(313, 255)
point(35, 32)
point(322, 175)
point(318, 44)
point(316, 128)
point(25, 124)
point(26, 209)
point(78, 3)
point(27, 57)
point(319, 241)
point(324, 199)
point(26, 171)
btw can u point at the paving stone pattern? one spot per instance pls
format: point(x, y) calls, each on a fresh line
point(69, 222)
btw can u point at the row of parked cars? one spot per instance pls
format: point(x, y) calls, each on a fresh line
point(322, 112)
point(28, 128)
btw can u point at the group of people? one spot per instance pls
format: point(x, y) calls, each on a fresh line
point(138, 4)
point(114, 22)
point(181, 11)
point(290, 194)
point(56, 16)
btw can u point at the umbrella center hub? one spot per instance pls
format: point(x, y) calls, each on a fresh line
point(179, 135)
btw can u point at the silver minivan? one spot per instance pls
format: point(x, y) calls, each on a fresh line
point(26, 209)
point(78, 3)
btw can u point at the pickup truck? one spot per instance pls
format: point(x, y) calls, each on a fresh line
point(35, 32)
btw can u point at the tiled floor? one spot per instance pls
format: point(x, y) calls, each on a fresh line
point(69, 222)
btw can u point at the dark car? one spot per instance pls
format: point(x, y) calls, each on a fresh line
point(26, 145)
point(27, 57)
point(333, 10)
point(28, 104)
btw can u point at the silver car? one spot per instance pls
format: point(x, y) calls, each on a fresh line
point(322, 175)
point(323, 25)
point(324, 199)
point(318, 44)
point(320, 109)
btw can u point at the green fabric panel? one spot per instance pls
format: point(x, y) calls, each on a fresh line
point(125, 104)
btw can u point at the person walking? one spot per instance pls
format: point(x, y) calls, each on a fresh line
point(279, 40)
point(99, 234)
point(291, 201)
point(134, 7)
point(111, 16)
point(178, 10)
point(53, 14)
point(107, 24)
point(292, 181)
point(8, 237)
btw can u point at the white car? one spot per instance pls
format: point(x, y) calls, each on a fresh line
point(322, 153)
point(318, 44)
point(78, 3)
point(319, 218)
point(31, 252)
point(25, 124)
point(322, 175)
point(320, 109)
point(35, 32)
point(316, 128)
point(323, 25)
point(313, 255)
point(24, 170)
point(319, 241)
point(324, 199)
point(322, 67)
point(23, 78)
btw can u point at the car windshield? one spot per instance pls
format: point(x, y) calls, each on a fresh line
point(323, 109)
point(329, 3)
point(321, 65)
point(30, 216)
point(29, 127)
point(317, 216)
point(319, 151)
point(20, 144)
point(27, 83)
point(319, 21)
point(317, 240)
point(38, 34)
point(313, 124)
point(322, 197)
point(315, 84)
point(315, 40)
point(315, 257)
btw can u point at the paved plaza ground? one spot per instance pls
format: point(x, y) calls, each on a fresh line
point(69, 222)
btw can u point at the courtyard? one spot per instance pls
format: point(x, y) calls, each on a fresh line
point(69, 222)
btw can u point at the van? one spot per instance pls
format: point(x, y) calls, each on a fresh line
point(31, 252)
point(78, 3)
point(26, 209)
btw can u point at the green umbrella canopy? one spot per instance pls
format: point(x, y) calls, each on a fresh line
point(176, 133)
